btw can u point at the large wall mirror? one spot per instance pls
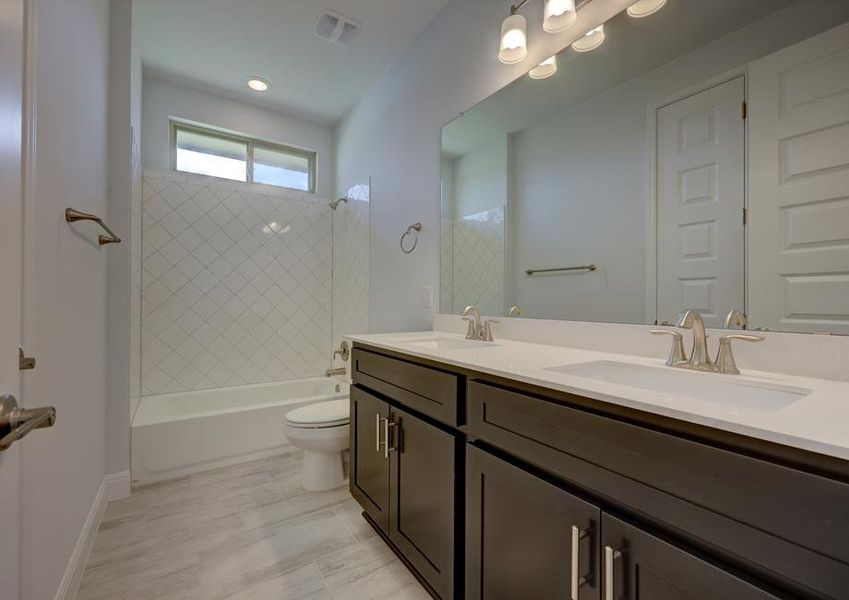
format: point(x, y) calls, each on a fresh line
point(698, 158)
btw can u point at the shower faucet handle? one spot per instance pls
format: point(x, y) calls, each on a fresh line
point(343, 351)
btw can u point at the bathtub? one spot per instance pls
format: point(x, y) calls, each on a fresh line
point(174, 435)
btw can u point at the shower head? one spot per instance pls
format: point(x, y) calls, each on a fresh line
point(336, 202)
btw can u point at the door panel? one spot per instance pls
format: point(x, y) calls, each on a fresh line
point(422, 499)
point(11, 95)
point(369, 480)
point(640, 566)
point(519, 535)
point(422, 517)
point(799, 186)
point(700, 161)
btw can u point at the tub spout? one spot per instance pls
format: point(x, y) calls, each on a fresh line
point(335, 372)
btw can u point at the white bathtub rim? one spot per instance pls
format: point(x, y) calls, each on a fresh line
point(141, 420)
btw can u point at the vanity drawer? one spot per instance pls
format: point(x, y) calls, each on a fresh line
point(428, 391)
point(790, 525)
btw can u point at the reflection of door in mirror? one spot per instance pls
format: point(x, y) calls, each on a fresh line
point(799, 183)
point(700, 200)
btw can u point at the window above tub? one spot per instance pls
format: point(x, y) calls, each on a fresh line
point(208, 151)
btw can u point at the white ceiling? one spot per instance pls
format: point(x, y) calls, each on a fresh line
point(219, 43)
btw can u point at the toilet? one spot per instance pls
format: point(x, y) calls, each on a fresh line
point(322, 430)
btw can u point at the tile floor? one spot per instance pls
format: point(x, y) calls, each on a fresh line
point(247, 532)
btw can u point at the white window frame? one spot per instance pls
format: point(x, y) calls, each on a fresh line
point(251, 143)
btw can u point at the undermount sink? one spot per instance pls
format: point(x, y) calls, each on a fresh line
point(707, 387)
point(446, 343)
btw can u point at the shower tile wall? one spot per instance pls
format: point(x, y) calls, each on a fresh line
point(236, 284)
point(351, 232)
point(478, 260)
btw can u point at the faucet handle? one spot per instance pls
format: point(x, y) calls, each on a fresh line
point(486, 330)
point(725, 357)
point(676, 353)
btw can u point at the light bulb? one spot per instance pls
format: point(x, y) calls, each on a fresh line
point(546, 68)
point(558, 15)
point(590, 41)
point(514, 40)
point(644, 8)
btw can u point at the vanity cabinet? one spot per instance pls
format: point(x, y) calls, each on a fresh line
point(526, 538)
point(491, 489)
point(404, 464)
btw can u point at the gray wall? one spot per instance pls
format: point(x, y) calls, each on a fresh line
point(165, 98)
point(65, 286)
point(393, 135)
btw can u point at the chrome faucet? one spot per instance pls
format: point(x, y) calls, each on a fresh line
point(477, 330)
point(699, 359)
point(735, 320)
point(515, 311)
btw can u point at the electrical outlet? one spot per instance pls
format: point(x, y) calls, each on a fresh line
point(428, 296)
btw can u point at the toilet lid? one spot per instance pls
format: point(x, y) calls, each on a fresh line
point(332, 412)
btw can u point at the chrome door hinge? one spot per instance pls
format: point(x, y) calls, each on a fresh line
point(25, 363)
point(745, 110)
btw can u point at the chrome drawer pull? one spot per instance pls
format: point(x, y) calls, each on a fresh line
point(610, 556)
point(377, 419)
point(577, 580)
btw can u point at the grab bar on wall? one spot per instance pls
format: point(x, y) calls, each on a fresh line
point(557, 269)
point(73, 215)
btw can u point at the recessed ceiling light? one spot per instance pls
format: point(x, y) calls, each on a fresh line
point(258, 84)
point(644, 8)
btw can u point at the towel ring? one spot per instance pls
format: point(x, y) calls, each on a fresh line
point(414, 227)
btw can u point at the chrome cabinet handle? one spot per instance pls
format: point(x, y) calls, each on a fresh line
point(387, 425)
point(577, 579)
point(16, 422)
point(610, 556)
point(377, 419)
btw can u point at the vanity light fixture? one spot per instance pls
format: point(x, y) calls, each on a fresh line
point(258, 84)
point(590, 41)
point(558, 15)
point(546, 68)
point(644, 8)
point(514, 38)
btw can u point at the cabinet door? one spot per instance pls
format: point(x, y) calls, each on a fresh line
point(369, 478)
point(525, 537)
point(421, 515)
point(638, 565)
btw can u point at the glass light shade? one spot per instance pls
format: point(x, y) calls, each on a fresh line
point(514, 40)
point(546, 68)
point(644, 8)
point(590, 41)
point(258, 84)
point(558, 15)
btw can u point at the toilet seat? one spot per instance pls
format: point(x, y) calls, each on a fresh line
point(332, 413)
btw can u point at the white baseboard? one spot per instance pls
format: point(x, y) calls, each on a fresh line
point(113, 487)
point(118, 485)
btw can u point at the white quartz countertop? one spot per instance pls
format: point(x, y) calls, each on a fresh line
point(817, 422)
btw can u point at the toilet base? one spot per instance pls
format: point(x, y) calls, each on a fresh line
point(322, 471)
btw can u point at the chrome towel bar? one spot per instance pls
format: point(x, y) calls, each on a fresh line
point(581, 268)
point(73, 215)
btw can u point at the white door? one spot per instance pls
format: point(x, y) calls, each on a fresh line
point(799, 186)
point(11, 68)
point(701, 190)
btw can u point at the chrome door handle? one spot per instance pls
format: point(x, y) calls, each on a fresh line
point(610, 556)
point(577, 579)
point(16, 422)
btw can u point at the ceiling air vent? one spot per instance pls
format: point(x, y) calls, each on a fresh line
point(336, 28)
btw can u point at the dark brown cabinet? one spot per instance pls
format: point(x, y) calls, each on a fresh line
point(403, 475)
point(637, 565)
point(525, 537)
point(421, 513)
point(369, 477)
